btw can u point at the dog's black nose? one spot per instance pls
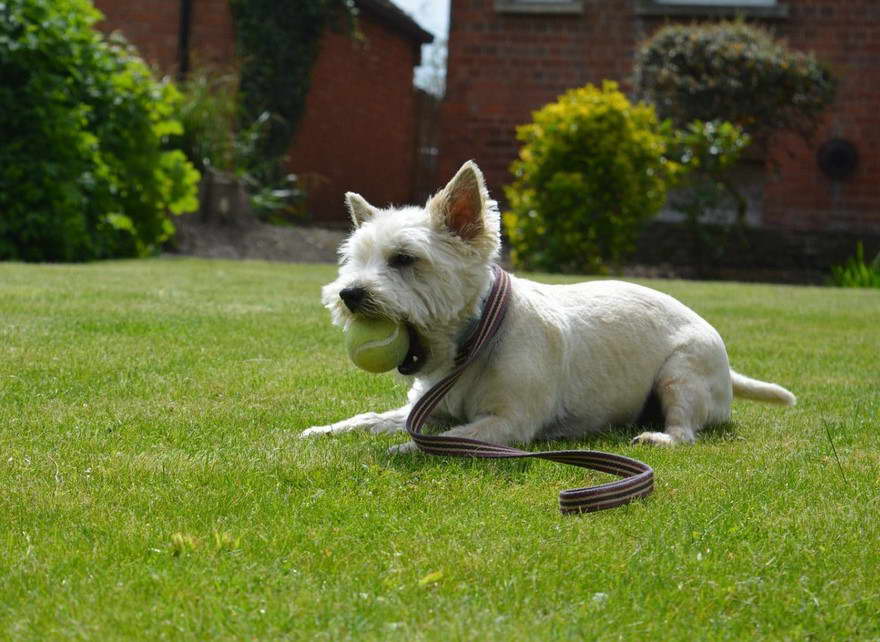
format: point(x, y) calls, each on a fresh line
point(353, 298)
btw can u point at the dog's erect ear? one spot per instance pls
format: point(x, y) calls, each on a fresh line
point(358, 208)
point(460, 205)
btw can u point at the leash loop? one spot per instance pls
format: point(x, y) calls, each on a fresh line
point(637, 478)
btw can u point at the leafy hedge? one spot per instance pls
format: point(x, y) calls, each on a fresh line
point(734, 72)
point(84, 173)
point(591, 170)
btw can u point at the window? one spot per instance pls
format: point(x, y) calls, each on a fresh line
point(539, 6)
point(723, 8)
point(721, 3)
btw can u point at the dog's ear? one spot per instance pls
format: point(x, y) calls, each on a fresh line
point(358, 208)
point(459, 206)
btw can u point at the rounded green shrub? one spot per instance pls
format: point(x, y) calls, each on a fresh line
point(84, 169)
point(735, 72)
point(591, 170)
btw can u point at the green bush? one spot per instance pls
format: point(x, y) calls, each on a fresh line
point(706, 152)
point(208, 111)
point(213, 138)
point(591, 170)
point(83, 169)
point(734, 72)
point(855, 273)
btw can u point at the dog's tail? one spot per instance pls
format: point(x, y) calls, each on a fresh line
point(760, 390)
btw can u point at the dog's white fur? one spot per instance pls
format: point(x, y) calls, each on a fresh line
point(569, 359)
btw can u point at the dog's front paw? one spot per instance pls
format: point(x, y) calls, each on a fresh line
point(316, 430)
point(403, 449)
point(654, 439)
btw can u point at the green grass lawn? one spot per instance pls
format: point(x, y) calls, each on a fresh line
point(153, 485)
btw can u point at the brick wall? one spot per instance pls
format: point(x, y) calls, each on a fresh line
point(154, 27)
point(847, 36)
point(212, 35)
point(502, 66)
point(359, 128)
point(151, 26)
point(358, 132)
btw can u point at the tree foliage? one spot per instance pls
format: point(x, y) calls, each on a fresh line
point(735, 72)
point(83, 171)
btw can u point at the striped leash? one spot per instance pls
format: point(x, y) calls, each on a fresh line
point(637, 477)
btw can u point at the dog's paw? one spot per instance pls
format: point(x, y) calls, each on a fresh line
point(316, 430)
point(403, 449)
point(654, 439)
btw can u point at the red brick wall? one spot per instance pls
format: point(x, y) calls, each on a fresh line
point(846, 35)
point(359, 128)
point(154, 28)
point(151, 26)
point(503, 66)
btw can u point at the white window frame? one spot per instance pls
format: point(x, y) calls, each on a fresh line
point(769, 9)
point(539, 6)
point(720, 3)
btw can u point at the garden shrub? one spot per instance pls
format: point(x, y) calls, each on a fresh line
point(735, 72)
point(707, 149)
point(208, 111)
point(213, 137)
point(84, 171)
point(856, 273)
point(591, 170)
point(706, 152)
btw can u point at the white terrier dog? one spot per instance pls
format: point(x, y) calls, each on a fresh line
point(568, 360)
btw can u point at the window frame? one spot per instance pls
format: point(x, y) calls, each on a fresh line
point(540, 6)
point(720, 3)
point(711, 8)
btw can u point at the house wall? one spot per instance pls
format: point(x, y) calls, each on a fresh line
point(359, 128)
point(502, 66)
point(154, 28)
point(358, 132)
point(846, 35)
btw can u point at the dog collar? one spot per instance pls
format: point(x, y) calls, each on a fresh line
point(637, 477)
point(465, 336)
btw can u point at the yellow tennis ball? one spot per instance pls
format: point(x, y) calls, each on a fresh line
point(376, 345)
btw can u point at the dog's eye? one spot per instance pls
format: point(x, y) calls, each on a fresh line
point(401, 260)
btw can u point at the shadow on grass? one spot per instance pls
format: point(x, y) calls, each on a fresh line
point(614, 439)
point(717, 433)
point(510, 470)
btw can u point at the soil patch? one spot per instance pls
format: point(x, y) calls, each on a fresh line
point(252, 239)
